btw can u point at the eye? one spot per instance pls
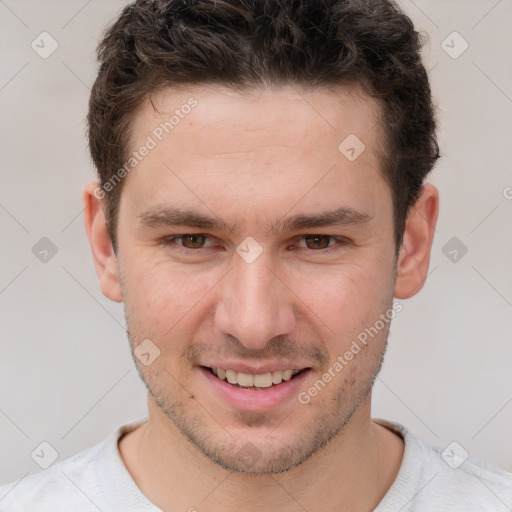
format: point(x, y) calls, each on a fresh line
point(186, 243)
point(193, 243)
point(317, 241)
point(322, 243)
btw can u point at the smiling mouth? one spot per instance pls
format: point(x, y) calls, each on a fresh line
point(259, 382)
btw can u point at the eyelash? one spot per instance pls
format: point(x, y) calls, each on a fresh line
point(170, 242)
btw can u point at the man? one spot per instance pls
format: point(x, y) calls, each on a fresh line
point(261, 202)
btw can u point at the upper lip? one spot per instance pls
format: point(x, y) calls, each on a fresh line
point(257, 369)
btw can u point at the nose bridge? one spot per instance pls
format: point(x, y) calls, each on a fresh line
point(254, 305)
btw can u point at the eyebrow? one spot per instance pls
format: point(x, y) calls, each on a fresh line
point(167, 216)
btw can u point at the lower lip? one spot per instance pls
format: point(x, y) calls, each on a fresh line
point(256, 401)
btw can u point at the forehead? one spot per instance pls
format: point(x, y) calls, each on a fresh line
point(284, 111)
point(260, 146)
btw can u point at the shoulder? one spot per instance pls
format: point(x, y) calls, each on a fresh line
point(435, 478)
point(92, 480)
point(72, 481)
point(467, 482)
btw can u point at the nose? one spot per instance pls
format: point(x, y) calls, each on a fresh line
point(255, 305)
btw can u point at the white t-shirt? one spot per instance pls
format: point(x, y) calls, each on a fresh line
point(97, 479)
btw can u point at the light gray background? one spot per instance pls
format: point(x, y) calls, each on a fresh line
point(66, 372)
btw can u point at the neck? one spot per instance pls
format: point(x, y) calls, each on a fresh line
point(352, 472)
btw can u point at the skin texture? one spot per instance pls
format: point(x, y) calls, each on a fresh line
point(252, 160)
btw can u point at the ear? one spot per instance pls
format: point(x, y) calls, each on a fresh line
point(105, 260)
point(414, 254)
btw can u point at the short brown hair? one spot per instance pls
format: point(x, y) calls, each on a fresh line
point(251, 43)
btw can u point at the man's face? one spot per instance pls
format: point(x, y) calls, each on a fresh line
point(252, 291)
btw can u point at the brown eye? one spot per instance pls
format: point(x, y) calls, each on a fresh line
point(190, 244)
point(193, 241)
point(317, 241)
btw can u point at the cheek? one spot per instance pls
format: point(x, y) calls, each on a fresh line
point(345, 302)
point(163, 299)
point(351, 291)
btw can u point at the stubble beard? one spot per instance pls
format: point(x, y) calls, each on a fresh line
point(271, 455)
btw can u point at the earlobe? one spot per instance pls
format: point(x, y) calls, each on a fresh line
point(414, 255)
point(104, 257)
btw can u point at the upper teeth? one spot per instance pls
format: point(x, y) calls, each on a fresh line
point(246, 380)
